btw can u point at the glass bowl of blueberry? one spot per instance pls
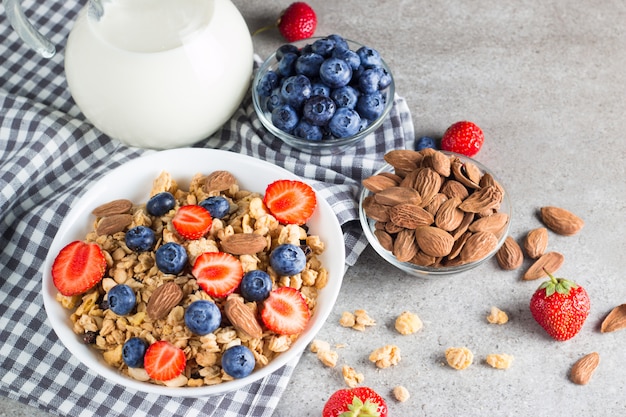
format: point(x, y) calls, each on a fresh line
point(323, 95)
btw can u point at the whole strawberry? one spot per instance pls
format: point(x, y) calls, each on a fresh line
point(560, 306)
point(463, 137)
point(298, 21)
point(355, 402)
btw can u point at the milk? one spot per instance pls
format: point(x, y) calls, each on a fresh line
point(159, 76)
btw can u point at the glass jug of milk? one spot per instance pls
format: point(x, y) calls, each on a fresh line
point(153, 73)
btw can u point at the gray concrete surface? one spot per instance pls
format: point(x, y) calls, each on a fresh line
point(546, 81)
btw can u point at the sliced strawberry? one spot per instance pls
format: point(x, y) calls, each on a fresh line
point(192, 221)
point(78, 267)
point(164, 361)
point(291, 202)
point(218, 273)
point(285, 311)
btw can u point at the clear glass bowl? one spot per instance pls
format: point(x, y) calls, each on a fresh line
point(324, 146)
point(368, 226)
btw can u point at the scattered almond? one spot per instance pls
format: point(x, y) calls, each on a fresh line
point(561, 221)
point(536, 242)
point(583, 369)
point(244, 243)
point(163, 299)
point(510, 255)
point(549, 261)
point(615, 320)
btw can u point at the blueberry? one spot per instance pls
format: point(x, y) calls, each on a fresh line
point(308, 131)
point(339, 41)
point(309, 64)
point(133, 352)
point(287, 259)
point(255, 285)
point(385, 78)
point(319, 110)
point(364, 124)
point(335, 72)
point(345, 96)
point(369, 57)
point(295, 90)
point(274, 100)
point(344, 123)
point(371, 106)
point(323, 46)
point(285, 118)
point(171, 258)
point(425, 142)
point(320, 89)
point(121, 299)
point(203, 317)
point(217, 206)
point(285, 49)
point(140, 239)
point(160, 203)
point(369, 80)
point(287, 65)
point(238, 361)
point(347, 55)
point(268, 82)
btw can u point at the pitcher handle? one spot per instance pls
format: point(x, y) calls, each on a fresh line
point(26, 31)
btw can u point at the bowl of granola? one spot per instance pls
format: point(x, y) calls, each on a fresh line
point(170, 274)
point(434, 213)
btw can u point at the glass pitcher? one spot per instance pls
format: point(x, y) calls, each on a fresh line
point(153, 73)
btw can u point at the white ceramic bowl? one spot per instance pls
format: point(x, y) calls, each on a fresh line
point(325, 146)
point(133, 181)
point(368, 226)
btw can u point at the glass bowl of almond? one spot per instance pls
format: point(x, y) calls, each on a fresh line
point(432, 212)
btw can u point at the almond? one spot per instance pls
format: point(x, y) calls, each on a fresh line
point(615, 320)
point(219, 181)
point(460, 173)
point(404, 246)
point(435, 203)
point(113, 224)
point(536, 242)
point(583, 369)
point(433, 241)
point(392, 196)
point(428, 183)
point(477, 246)
point(492, 223)
point(449, 217)
point(379, 182)
point(163, 300)
point(385, 240)
point(244, 243)
point(374, 210)
point(510, 255)
point(549, 261)
point(242, 317)
point(403, 160)
point(121, 206)
point(410, 216)
point(439, 162)
point(561, 221)
point(453, 188)
point(487, 198)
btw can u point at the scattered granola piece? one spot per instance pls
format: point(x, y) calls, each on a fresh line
point(408, 323)
point(351, 376)
point(499, 360)
point(362, 320)
point(459, 357)
point(328, 357)
point(347, 319)
point(497, 316)
point(319, 346)
point(401, 393)
point(385, 356)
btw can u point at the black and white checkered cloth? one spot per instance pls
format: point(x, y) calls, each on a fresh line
point(49, 154)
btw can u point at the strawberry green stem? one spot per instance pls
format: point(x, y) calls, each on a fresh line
point(359, 408)
point(558, 285)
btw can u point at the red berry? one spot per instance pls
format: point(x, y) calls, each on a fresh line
point(218, 273)
point(561, 307)
point(285, 311)
point(360, 401)
point(463, 137)
point(192, 221)
point(164, 361)
point(298, 21)
point(291, 202)
point(78, 267)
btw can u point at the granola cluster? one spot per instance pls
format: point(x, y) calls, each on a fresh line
point(106, 331)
